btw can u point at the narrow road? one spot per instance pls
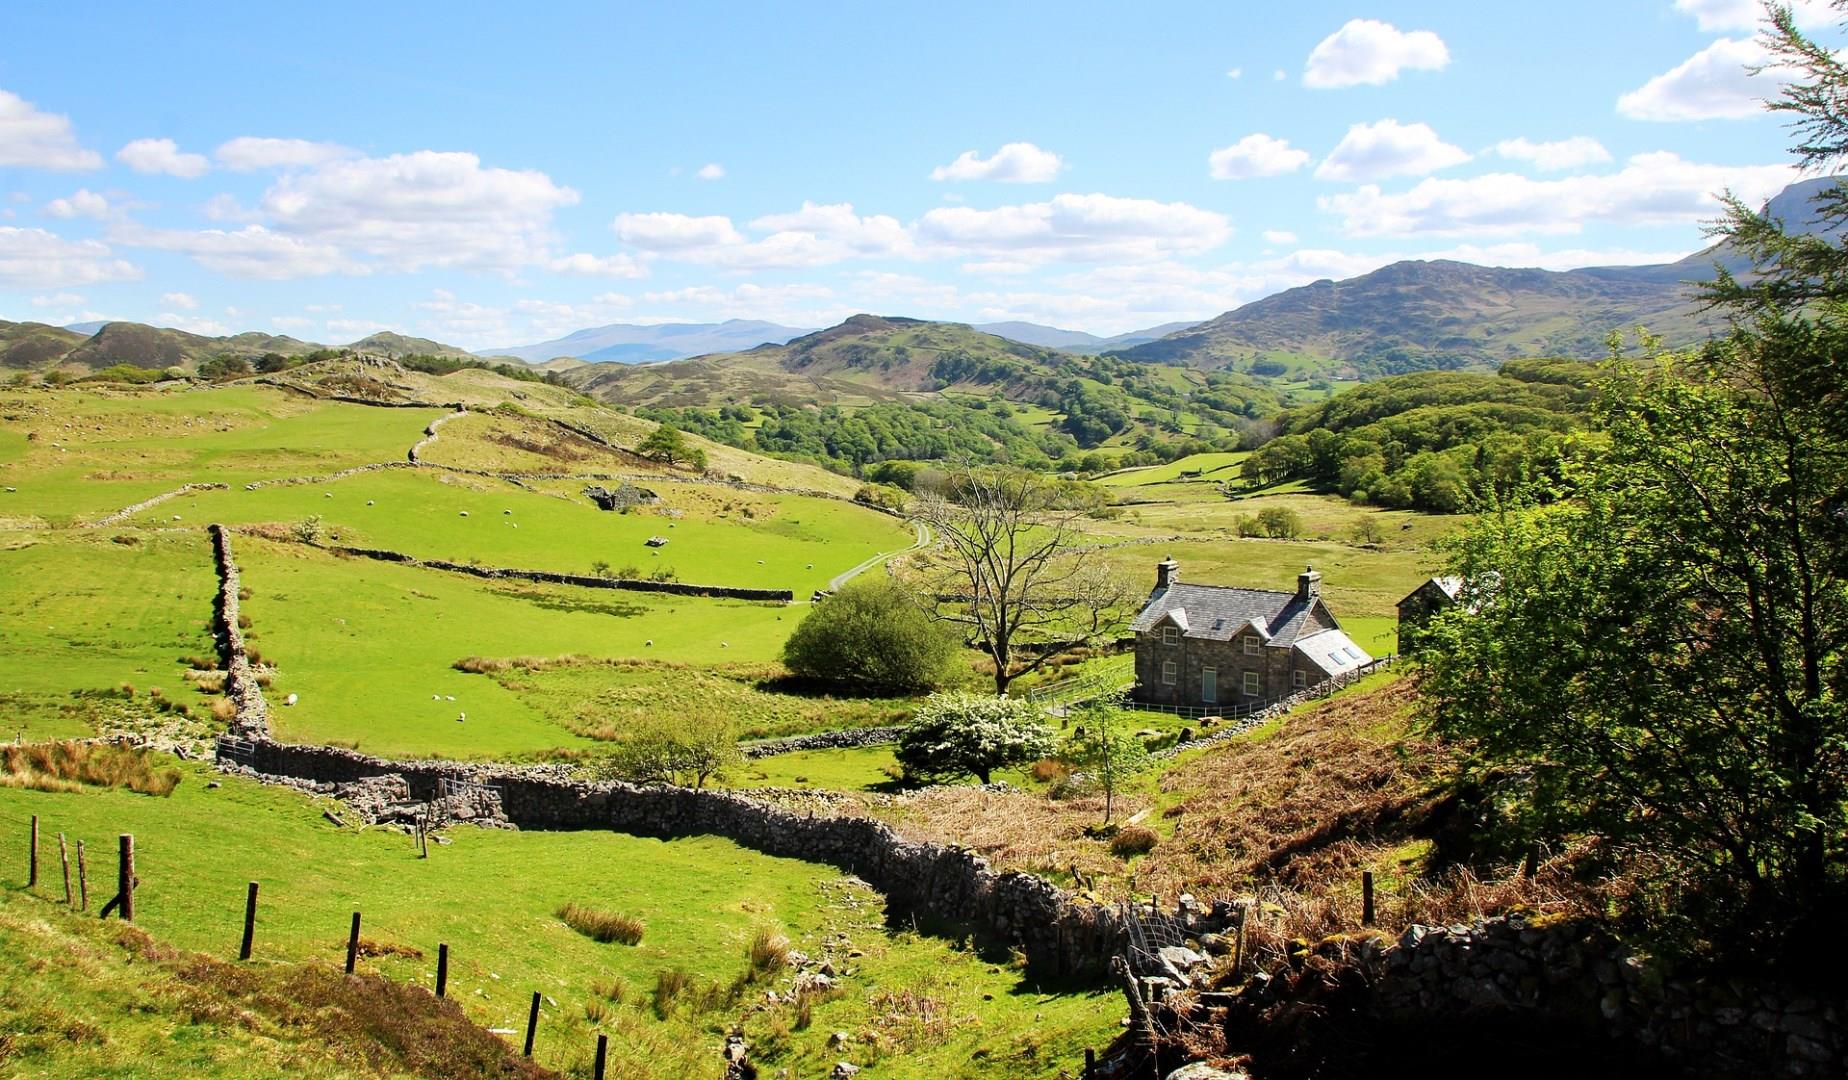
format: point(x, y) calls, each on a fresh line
point(924, 537)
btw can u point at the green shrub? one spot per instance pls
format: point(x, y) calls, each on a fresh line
point(872, 636)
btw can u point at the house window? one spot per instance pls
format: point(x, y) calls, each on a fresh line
point(1252, 645)
point(1253, 684)
point(1299, 678)
point(1169, 672)
point(1170, 635)
point(1209, 686)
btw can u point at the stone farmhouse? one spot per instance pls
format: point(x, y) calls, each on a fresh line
point(1207, 646)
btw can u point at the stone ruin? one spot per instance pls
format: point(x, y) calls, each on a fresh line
point(622, 498)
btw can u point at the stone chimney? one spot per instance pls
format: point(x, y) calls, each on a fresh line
point(1308, 585)
point(1167, 572)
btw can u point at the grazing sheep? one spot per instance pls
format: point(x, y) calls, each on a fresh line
point(290, 700)
point(368, 502)
point(464, 513)
point(461, 717)
point(649, 644)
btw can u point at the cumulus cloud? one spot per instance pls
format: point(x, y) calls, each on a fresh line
point(38, 259)
point(162, 156)
point(1072, 226)
point(248, 153)
point(1652, 189)
point(1279, 237)
point(32, 139)
point(621, 265)
point(1750, 14)
point(1367, 52)
point(1715, 83)
point(192, 324)
point(1552, 156)
point(184, 301)
point(1015, 163)
point(1256, 155)
point(252, 251)
point(81, 203)
point(815, 235)
point(1388, 148)
point(793, 304)
point(712, 170)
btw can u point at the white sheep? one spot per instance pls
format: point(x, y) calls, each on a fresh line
point(290, 700)
point(461, 717)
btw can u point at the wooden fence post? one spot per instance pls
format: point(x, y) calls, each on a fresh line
point(1366, 898)
point(353, 944)
point(442, 969)
point(1238, 946)
point(1532, 865)
point(1090, 1064)
point(125, 874)
point(603, 1049)
point(32, 865)
point(64, 859)
point(83, 881)
point(250, 923)
point(532, 1025)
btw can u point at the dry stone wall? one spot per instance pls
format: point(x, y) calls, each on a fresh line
point(130, 511)
point(678, 588)
point(252, 717)
point(430, 432)
point(845, 739)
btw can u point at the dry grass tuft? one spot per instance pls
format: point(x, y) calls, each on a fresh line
point(67, 766)
point(602, 925)
point(769, 952)
point(1133, 840)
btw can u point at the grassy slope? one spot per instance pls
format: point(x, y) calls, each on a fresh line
point(491, 896)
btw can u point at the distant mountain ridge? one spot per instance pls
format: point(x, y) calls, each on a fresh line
point(1077, 341)
point(638, 343)
point(30, 346)
point(1441, 313)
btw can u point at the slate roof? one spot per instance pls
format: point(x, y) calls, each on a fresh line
point(1333, 651)
point(1220, 613)
point(1450, 586)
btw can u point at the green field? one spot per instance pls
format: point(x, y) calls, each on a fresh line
point(491, 896)
point(1209, 468)
point(719, 536)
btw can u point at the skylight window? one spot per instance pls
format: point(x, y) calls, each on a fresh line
point(1350, 651)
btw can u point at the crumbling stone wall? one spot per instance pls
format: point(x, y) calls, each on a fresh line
point(130, 511)
point(430, 432)
point(252, 717)
point(844, 739)
point(678, 588)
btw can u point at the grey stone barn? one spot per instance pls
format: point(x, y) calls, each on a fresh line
point(1207, 646)
point(1436, 595)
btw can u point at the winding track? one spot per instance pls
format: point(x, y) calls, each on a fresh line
point(924, 538)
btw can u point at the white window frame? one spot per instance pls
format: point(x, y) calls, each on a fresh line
point(1170, 635)
point(1205, 673)
point(1254, 684)
point(1170, 672)
point(1252, 646)
point(1299, 678)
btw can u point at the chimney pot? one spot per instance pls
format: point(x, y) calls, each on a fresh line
point(1167, 572)
point(1308, 585)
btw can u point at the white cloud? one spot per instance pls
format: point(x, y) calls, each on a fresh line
point(1015, 163)
point(37, 140)
point(162, 156)
point(462, 321)
point(184, 301)
point(1551, 156)
point(1256, 155)
point(815, 235)
point(1652, 189)
point(252, 251)
point(63, 299)
point(793, 304)
point(1279, 237)
point(81, 203)
point(621, 265)
point(712, 170)
point(192, 324)
point(37, 259)
point(1075, 227)
point(1715, 83)
point(1388, 148)
point(1235, 73)
point(1750, 14)
point(1367, 52)
point(1279, 75)
point(251, 152)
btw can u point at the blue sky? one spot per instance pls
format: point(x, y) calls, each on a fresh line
point(487, 177)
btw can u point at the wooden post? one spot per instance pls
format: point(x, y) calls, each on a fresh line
point(32, 866)
point(83, 881)
point(250, 923)
point(603, 1050)
point(1238, 948)
point(64, 859)
point(1366, 898)
point(125, 874)
point(1532, 866)
point(1090, 1064)
point(353, 944)
point(532, 1025)
point(442, 969)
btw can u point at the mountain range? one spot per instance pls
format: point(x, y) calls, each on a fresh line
point(629, 343)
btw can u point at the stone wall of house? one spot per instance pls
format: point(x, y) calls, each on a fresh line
point(1229, 661)
point(678, 588)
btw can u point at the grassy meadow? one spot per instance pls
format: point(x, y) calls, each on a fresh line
point(492, 896)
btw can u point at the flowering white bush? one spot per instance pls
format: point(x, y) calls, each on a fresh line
point(956, 732)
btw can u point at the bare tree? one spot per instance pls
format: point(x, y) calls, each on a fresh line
point(1015, 570)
